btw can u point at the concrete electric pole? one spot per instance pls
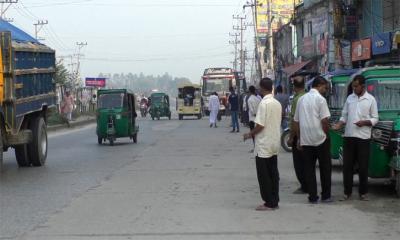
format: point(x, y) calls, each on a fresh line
point(241, 28)
point(5, 5)
point(38, 26)
point(78, 67)
point(235, 43)
point(253, 5)
point(270, 39)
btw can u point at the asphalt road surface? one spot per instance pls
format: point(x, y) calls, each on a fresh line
point(183, 180)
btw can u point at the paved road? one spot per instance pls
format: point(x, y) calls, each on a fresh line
point(182, 181)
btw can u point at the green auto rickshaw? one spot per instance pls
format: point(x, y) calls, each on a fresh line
point(383, 82)
point(116, 115)
point(159, 106)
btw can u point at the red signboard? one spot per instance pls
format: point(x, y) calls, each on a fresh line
point(361, 50)
point(95, 82)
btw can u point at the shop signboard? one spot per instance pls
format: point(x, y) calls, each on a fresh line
point(95, 82)
point(381, 43)
point(361, 49)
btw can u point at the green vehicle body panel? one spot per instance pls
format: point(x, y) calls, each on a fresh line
point(378, 164)
point(124, 124)
point(336, 144)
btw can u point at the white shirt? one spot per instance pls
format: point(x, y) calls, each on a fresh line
point(253, 106)
point(311, 109)
point(356, 109)
point(213, 103)
point(267, 142)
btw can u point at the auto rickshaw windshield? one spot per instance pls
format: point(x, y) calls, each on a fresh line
point(114, 100)
point(386, 93)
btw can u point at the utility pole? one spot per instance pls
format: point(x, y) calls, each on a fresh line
point(80, 46)
point(241, 28)
point(38, 26)
point(253, 5)
point(235, 43)
point(5, 5)
point(270, 38)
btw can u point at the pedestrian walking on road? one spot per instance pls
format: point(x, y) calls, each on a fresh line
point(267, 145)
point(234, 107)
point(298, 156)
point(213, 106)
point(252, 103)
point(359, 114)
point(312, 124)
point(67, 106)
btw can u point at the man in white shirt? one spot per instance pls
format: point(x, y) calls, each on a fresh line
point(213, 106)
point(311, 121)
point(252, 103)
point(359, 114)
point(267, 145)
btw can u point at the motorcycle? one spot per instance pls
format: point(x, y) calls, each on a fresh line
point(284, 140)
point(143, 109)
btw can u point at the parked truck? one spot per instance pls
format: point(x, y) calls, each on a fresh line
point(27, 92)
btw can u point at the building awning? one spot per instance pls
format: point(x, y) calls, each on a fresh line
point(292, 69)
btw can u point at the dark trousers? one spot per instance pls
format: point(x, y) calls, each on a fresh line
point(299, 165)
point(235, 120)
point(268, 179)
point(322, 153)
point(355, 151)
point(252, 125)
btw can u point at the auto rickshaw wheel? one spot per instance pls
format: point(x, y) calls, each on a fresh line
point(169, 116)
point(134, 137)
point(111, 142)
point(152, 118)
point(199, 116)
point(180, 116)
point(99, 140)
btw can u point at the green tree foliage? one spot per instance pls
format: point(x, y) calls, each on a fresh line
point(62, 74)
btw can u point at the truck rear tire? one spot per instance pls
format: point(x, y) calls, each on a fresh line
point(22, 155)
point(38, 147)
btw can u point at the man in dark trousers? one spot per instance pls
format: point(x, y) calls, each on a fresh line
point(267, 138)
point(298, 156)
point(312, 125)
point(359, 114)
point(234, 107)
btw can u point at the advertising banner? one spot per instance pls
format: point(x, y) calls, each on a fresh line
point(281, 11)
point(381, 43)
point(95, 82)
point(361, 50)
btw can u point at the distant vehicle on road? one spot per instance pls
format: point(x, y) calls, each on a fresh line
point(116, 115)
point(188, 102)
point(159, 106)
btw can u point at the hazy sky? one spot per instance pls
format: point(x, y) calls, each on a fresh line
point(181, 37)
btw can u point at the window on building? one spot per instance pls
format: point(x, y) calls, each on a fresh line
point(309, 28)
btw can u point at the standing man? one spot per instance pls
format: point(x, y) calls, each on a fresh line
point(312, 124)
point(298, 156)
point(267, 138)
point(284, 100)
point(213, 106)
point(234, 107)
point(359, 114)
point(252, 103)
